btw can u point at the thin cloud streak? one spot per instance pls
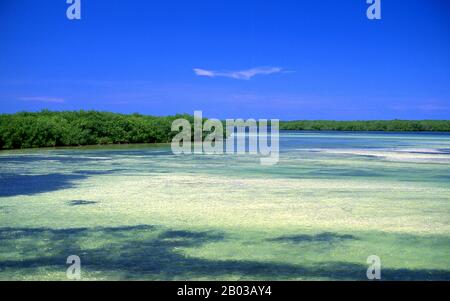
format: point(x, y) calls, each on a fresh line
point(242, 75)
point(42, 99)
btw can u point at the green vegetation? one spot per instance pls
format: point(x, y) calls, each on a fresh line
point(50, 129)
point(371, 125)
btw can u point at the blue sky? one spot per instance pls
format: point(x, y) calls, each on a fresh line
point(311, 59)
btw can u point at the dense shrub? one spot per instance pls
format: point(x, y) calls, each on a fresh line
point(49, 129)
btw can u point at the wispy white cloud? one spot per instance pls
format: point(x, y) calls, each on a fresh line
point(243, 74)
point(42, 99)
point(423, 106)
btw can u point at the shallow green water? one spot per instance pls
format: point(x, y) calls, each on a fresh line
point(139, 212)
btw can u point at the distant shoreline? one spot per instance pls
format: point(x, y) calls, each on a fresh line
point(48, 129)
point(368, 125)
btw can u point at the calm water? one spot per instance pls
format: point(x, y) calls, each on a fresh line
point(139, 212)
